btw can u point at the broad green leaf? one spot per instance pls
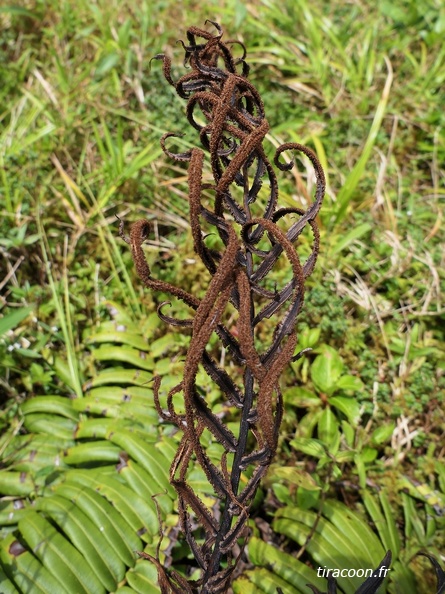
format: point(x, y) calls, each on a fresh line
point(356, 528)
point(11, 511)
point(13, 319)
point(139, 513)
point(125, 354)
point(146, 455)
point(65, 372)
point(326, 370)
point(383, 433)
point(301, 397)
point(349, 433)
point(285, 566)
point(328, 546)
point(57, 405)
point(349, 382)
point(144, 484)
point(92, 451)
point(121, 315)
point(27, 572)
point(348, 406)
point(327, 427)
point(113, 332)
point(243, 586)
point(121, 375)
point(282, 493)
point(59, 556)
point(391, 523)
point(143, 578)
point(86, 537)
point(307, 425)
point(307, 445)
point(28, 353)
point(168, 447)
point(162, 345)
point(111, 524)
point(39, 460)
point(361, 470)
point(368, 455)
point(307, 499)
point(6, 586)
point(309, 338)
point(374, 510)
point(413, 523)
point(125, 415)
point(53, 425)
point(294, 475)
point(265, 581)
point(118, 394)
point(15, 483)
point(398, 345)
point(345, 456)
point(98, 428)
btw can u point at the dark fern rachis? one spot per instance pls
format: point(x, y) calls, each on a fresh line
point(228, 113)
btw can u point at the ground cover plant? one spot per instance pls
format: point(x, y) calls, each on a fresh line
point(361, 446)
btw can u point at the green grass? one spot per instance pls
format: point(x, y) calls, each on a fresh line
point(361, 83)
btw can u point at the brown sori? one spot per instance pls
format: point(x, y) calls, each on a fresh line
point(243, 305)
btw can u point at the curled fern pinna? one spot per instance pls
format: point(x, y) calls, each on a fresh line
point(248, 302)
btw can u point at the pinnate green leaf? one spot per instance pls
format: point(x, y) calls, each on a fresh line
point(326, 370)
